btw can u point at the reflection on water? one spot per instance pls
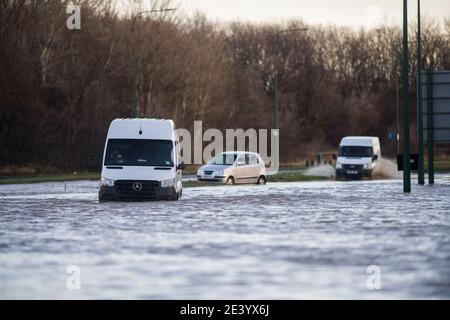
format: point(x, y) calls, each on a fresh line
point(282, 240)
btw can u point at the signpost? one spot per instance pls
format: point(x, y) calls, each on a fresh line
point(406, 163)
point(436, 112)
point(420, 173)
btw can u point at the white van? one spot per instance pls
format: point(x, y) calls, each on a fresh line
point(141, 161)
point(357, 157)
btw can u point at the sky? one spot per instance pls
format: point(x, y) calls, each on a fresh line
point(354, 13)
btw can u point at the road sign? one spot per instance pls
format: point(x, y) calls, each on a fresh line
point(436, 102)
point(392, 136)
point(413, 160)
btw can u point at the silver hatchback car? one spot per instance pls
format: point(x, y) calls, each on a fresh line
point(234, 167)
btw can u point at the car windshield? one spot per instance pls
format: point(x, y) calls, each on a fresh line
point(355, 151)
point(139, 152)
point(224, 159)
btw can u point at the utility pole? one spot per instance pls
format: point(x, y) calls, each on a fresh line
point(275, 123)
point(430, 127)
point(421, 175)
point(275, 102)
point(397, 114)
point(406, 157)
point(135, 58)
point(135, 68)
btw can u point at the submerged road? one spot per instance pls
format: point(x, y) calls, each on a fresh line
point(282, 240)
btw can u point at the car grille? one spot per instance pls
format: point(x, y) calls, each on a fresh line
point(209, 172)
point(125, 188)
point(352, 166)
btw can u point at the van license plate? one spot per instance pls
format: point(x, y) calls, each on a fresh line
point(352, 172)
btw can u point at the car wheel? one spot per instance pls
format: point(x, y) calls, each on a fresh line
point(230, 180)
point(261, 180)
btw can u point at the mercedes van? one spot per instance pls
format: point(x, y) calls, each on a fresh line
point(357, 157)
point(141, 161)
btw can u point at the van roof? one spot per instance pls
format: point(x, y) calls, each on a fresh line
point(142, 128)
point(359, 141)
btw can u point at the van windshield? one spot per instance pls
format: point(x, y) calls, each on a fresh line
point(225, 159)
point(139, 152)
point(355, 152)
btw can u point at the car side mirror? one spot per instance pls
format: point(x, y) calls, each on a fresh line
point(334, 157)
point(181, 166)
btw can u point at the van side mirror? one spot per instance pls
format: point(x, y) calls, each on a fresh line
point(181, 166)
point(375, 157)
point(334, 156)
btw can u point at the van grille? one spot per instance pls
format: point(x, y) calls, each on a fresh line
point(125, 188)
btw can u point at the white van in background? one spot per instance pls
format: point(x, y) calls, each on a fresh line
point(357, 157)
point(141, 161)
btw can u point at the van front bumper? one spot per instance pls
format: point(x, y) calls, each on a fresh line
point(111, 194)
point(353, 173)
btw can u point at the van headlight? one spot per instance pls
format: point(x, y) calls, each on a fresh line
point(366, 166)
point(167, 183)
point(338, 165)
point(107, 182)
point(218, 173)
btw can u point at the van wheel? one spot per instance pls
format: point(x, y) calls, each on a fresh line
point(230, 180)
point(261, 180)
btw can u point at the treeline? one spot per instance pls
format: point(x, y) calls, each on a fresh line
point(60, 88)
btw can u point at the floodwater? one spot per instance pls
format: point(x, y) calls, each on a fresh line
point(282, 240)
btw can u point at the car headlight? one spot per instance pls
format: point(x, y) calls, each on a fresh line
point(167, 183)
point(218, 173)
point(107, 182)
point(338, 165)
point(200, 172)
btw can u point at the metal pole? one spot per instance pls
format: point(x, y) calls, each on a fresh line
point(406, 161)
point(430, 124)
point(135, 66)
point(276, 89)
point(397, 114)
point(135, 58)
point(275, 106)
point(421, 175)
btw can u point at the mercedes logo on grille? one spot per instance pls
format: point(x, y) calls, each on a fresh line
point(137, 186)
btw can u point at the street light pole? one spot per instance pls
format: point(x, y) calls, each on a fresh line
point(135, 59)
point(397, 116)
point(421, 175)
point(276, 89)
point(406, 156)
point(135, 69)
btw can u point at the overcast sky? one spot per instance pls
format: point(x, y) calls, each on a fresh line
point(343, 12)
